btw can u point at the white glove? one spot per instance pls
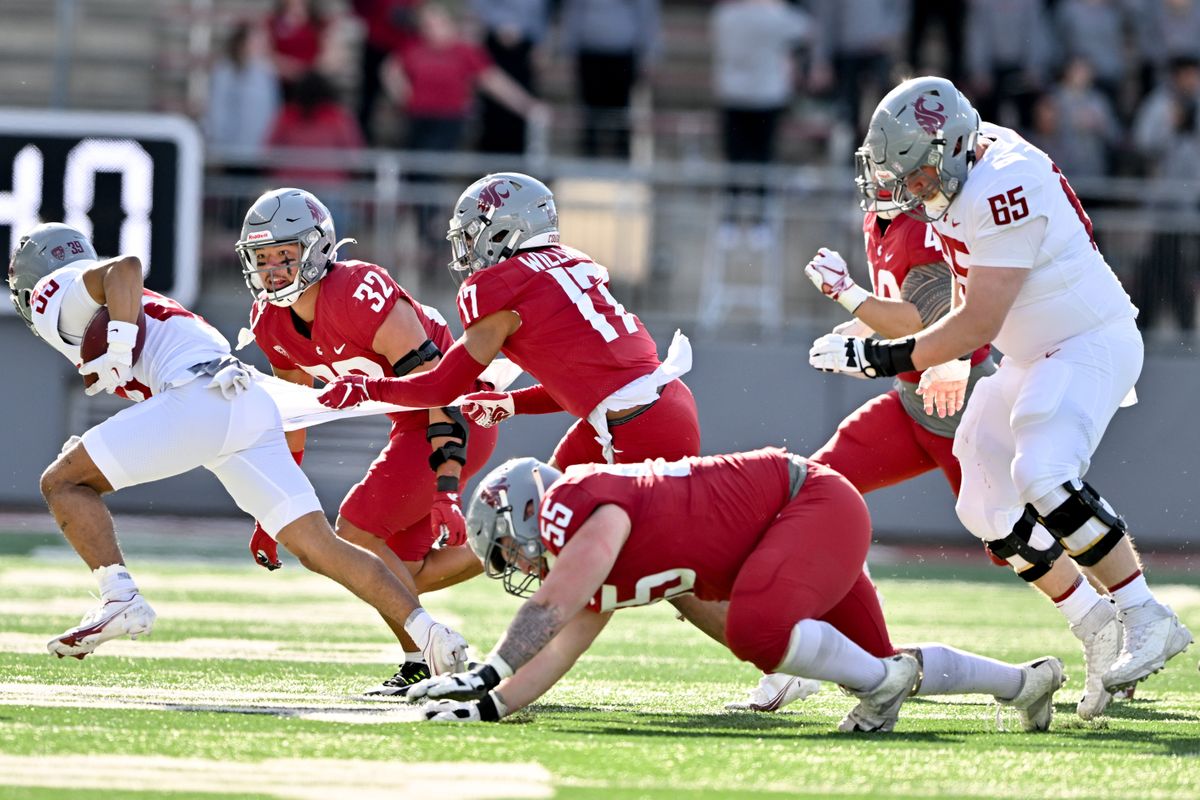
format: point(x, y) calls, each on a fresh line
point(829, 274)
point(444, 649)
point(114, 368)
point(451, 711)
point(489, 708)
point(944, 387)
point(232, 379)
point(836, 353)
point(470, 685)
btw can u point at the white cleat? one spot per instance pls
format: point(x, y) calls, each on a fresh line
point(1100, 633)
point(774, 691)
point(132, 617)
point(1035, 702)
point(1153, 636)
point(879, 708)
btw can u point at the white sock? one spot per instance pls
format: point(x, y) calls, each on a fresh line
point(414, 658)
point(1132, 594)
point(115, 583)
point(947, 670)
point(1081, 599)
point(818, 650)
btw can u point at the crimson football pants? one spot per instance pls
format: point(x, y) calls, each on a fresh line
point(881, 445)
point(392, 500)
point(669, 429)
point(808, 565)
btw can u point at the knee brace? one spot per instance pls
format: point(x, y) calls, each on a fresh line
point(1029, 562)
point(1082, 521)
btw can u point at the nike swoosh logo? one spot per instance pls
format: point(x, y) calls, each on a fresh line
point(1052, 352)
point(888, 257)
point(954, 223)
point(339, 350)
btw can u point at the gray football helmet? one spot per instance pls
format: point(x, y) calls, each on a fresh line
point(922, 122)
point(39, 252)
point(498, 215)
point(284, 216)
point(502, 522)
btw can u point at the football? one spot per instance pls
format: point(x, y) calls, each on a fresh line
point(95, 339)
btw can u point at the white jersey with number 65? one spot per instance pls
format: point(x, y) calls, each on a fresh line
point(1017, 209)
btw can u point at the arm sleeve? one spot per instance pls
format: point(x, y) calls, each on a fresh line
point(534, 400)
point(454, 375)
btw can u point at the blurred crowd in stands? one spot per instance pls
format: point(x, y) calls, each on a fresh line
point(1106, 87)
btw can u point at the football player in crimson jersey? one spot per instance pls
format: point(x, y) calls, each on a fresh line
point(547, 307)
point(1035, 283)
point(909, 430)
point(779, 537)
point(196, 406)
point(317, 318)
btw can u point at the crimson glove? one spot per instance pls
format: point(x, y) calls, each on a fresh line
point(264, 549)
point(345, 392)
point(446, 516)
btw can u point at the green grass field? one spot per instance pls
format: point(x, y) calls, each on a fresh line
point(247, 688)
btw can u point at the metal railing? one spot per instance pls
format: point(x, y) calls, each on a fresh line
point(657, 226)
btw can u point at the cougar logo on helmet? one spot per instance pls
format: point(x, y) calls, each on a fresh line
point(490, 493)
point(317, 213)
point(58, 253)
point(931, 120)
point(491, 196)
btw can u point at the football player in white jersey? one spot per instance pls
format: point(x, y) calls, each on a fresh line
point(195, 406)
point(1036, 285)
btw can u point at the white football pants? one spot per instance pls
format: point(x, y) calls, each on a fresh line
point(240, 441)
point(1033, 426)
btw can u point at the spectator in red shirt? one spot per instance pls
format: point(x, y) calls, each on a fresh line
point(390, 25)
point(297, 29)
point(433, 78)
point(314, 119)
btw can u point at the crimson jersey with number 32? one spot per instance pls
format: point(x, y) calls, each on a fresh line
point(575, 337)
point(694, 521)
point(355, 298)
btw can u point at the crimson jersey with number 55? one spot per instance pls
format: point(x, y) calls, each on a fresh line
point(354, 299)
point(694, 521)
point(575, 337)
point(1017, 210)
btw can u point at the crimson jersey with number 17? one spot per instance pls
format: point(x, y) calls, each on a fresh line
point(355, 298)
point(575, 337)
point(694, 521)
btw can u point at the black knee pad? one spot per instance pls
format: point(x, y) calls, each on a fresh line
point(1066, 524)
point(1029, 562)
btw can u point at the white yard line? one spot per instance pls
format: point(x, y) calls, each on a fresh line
point(292, 779)
point(217, 649)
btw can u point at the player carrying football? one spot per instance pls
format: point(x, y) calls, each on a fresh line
point(196, 406)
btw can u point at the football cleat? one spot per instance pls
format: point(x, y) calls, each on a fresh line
point(1153, 636)
point(879, 708)
point(774, 691)
point(1100, 632)
point(1035, 702)
point(131, 617)
point(410, 672)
